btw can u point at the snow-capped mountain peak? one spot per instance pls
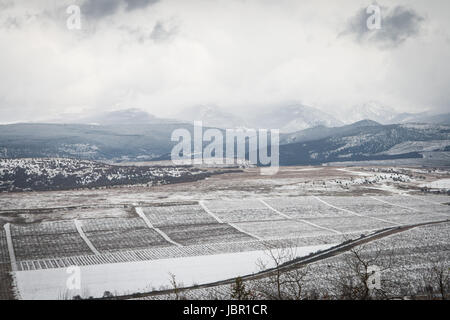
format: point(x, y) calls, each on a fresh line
point(370, 110)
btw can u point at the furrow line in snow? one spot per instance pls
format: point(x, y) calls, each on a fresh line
point(78, 225)
point(141, 214)
point(426, 200)
point(203, 205)
point(354, 213)
point(12, 256)
point(246, 232)
point(296, 219)
point(274, 210)
point(394, 204)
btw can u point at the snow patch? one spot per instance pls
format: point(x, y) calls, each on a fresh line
point(144, 276)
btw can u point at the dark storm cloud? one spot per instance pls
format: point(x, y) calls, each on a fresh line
point(139, 4)
point(397, 25)
point(103, 8)
point(100, 8)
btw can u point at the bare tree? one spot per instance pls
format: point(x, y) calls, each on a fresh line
point(175, 287)
point(239, 290)
point(358, 276)
point(436, 279)
point(281, 284)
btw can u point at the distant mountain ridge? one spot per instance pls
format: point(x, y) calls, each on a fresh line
point(321, 132)
point(211, 116)
point(133, 142)
point(363, 140)
point(294, 117)
point(286, 118)
point(424, 117)
point(118, 117)
point(371, 111)
point(385, 115)
point(135, 135)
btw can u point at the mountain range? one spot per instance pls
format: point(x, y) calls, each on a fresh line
point(291, 117)
point(118, 117)
point(133, 135)
point(287, 118)
point(365, 140)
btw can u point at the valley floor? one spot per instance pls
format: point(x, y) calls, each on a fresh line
point(132, 239)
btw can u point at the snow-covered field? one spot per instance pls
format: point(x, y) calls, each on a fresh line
point(406, 259)
point(315, 222)
point(439, 184)
point(142, 276)
point(128, 240)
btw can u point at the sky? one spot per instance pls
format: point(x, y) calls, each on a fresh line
point(166, 55)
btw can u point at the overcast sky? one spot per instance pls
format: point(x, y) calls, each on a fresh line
point(163, 56)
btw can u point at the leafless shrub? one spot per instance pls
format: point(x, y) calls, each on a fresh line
point(436, 279)
point(359, 275)
point(282, 284)
point(239, 290)
point(176, 287)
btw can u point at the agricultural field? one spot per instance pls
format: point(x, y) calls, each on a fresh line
point(241, 210)
point(408, 262)
point(279, 229)
point(47, 240)
point(4, 256)
point(115, 234)
point(163, 216)
point(350, 224)
point(406, 259)
point(119, 225)
point(115, 240)
point(135, 230)
point(368, 206)
point(49, 246)
point(417, 205)
point(5, 269)
point(204, 233)
point(390, 209)
point(436, 199)
point(304, 207)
